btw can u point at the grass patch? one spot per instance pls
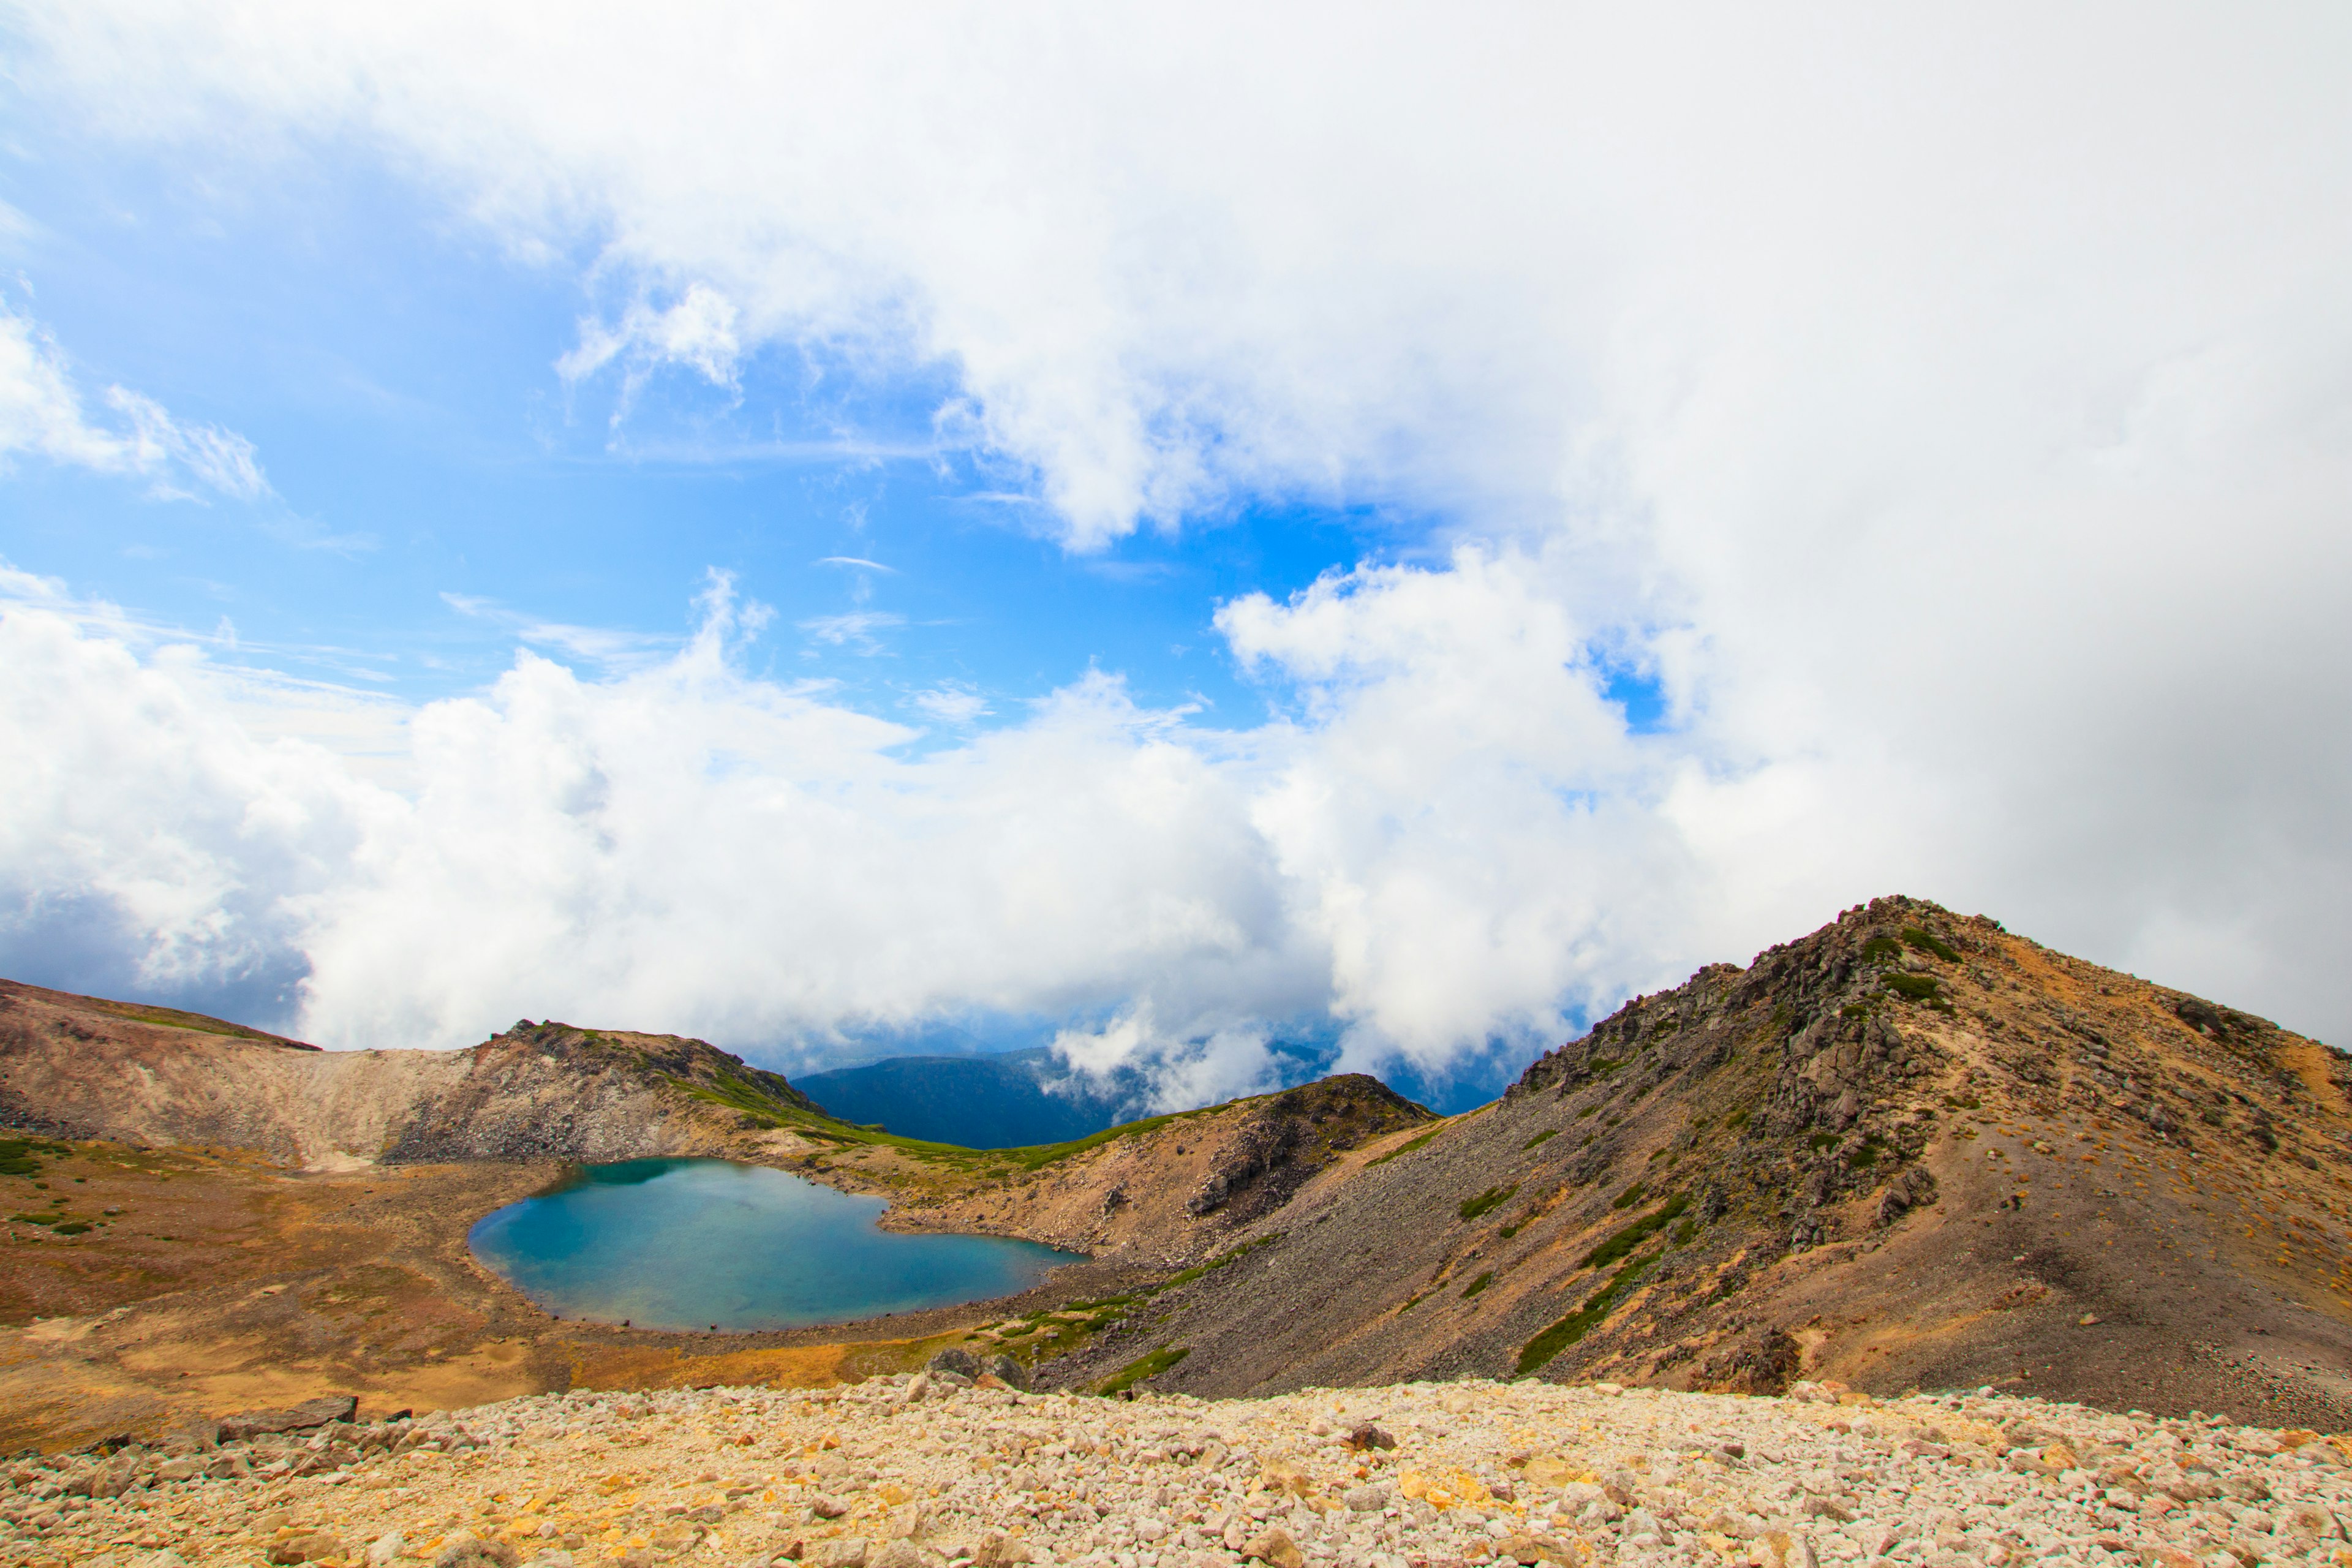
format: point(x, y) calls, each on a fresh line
point(1684, 1232)
point(1411, 1303)
point(1927, 941)
point(1918, 988)
point(1820, 1139)
point(1629, 1197)
point(1881, 949)
point(1586, 1111)
point(1736, 1121)
point(1962, 1102)
point(1583, 1321)
point(1622, 1242)
point(1862, 1159)
point(1586, 1142)
point(1142, 1367)
point(1419, 1143)
point(1223, 1259)
point(1854, 1010)
point(1547, 1132)
point(1602, 1066)
point(1492, 1198)
point(1479, 1284)
point(1509, 1231)
point(71, 1227)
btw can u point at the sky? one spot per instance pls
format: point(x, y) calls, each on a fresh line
point(1168, 532)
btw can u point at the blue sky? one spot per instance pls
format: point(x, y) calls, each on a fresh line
point(1163, 532)
point(398, 376)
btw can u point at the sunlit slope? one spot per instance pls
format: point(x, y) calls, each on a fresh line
point(1910, 1148)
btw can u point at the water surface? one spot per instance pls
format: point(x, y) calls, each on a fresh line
point(693, 1244)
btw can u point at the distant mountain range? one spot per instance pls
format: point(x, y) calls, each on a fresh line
point(1009, 1101)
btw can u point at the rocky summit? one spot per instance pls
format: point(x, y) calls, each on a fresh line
point(933, 1469)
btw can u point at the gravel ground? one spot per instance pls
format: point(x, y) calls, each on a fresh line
point(923, 1471)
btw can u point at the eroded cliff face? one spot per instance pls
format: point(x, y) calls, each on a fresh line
point(81, 1067)
point(1910, 1148)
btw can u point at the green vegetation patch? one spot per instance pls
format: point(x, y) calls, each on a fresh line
point(1929, 941)
point(1511, 1230)
point(1854, 1010)
point(1142, 1367)
point(1421, 1141)
point(1492, 1198)
point(71, 1227)
point(1862, 1159)
point(1881, 949)
point(1583, 1321)
point(1736, 1121)
point(1820, 1139)
point(1547, 1132)
point(1962, 1102)
point(1684, 1232)
point(1621, 1242)
point(1629, 1197)
point(1586, 1111)
point(1602, 1066)
point(1918, 988)
point(1479, 1284)
point(1223, 1260)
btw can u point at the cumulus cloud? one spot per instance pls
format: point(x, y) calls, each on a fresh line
point(1948, 417)
point(41, 415)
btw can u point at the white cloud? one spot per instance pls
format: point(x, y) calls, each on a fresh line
point(853, 628)
point(1952, 415)
point(41, 415)
point(952, 704)
point(696, 331)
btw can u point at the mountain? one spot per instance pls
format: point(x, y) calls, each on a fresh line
point(1002, 1101)
point(83, 1068)
point(1910, 1149)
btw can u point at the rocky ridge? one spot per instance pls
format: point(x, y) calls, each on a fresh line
point(931, 1469)
point(1910, 1148)
point(82, 1068)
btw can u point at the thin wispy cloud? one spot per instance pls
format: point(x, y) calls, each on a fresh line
point(854, 628)
point(612, 646)
point(958, 705)
point(42, 416)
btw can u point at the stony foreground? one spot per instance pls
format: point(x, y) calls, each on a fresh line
point(923, 1471)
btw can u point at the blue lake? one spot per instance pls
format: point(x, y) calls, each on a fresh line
point(687, 1244)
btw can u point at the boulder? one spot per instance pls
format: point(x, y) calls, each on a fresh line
point(1275, 1550)
point(1008, 1372)
point(295, 1418)
point(957, 1359)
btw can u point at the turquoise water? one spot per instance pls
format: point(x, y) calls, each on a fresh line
point(693, 1244)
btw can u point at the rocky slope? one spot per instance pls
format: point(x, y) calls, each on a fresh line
point(80, 1066)
point(1176, 1189)
point(923, 1471)
point(1910, 1149)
